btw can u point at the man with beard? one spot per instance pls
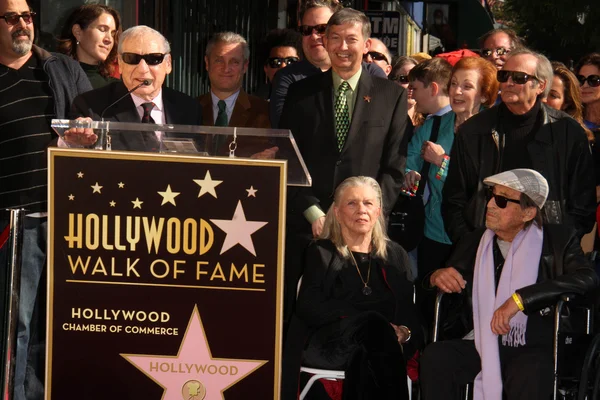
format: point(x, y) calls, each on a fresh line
point(37, 86)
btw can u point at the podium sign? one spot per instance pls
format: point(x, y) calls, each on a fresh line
point(165, 276)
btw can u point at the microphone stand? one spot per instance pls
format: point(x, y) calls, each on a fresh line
point(103, 133)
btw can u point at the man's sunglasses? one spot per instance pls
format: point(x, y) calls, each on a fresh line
point(500, 51)
point(592, 80)
point(151, 59)
point(400, 78)
point(14, 18)
point(518, 77)
point(307, 30)
point(277, 62)
point(501, 201)
point(377, 56)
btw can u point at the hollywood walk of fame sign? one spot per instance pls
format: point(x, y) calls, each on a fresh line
point(165, 276)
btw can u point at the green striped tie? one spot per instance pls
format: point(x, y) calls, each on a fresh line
point(342, 115)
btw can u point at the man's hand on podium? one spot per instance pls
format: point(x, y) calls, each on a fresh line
point(80, 136)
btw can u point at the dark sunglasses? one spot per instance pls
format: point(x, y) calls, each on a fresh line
point(518, 77)
point(592, 80)
point(400, 78)
point(500, 201)
point(277, 62)
point(307, 30)
point(377, 56)
point(151, 59)
point(500, 51)
point(14, 18)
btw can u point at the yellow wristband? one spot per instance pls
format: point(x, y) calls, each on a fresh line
point(517, 300)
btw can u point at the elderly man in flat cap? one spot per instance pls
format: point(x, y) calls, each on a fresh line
point(513, 269)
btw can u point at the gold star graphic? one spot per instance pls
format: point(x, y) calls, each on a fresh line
point(207, 185)
point(71, 197)
point(112, 203)
point(251, 191)
point(168, 196)
point(137, 203)
point(80, 174)
point(97, 188)
point(121, 185)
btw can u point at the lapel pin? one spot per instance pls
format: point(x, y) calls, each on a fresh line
point(367, 99)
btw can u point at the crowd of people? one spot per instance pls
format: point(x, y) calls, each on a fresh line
point(500, 146)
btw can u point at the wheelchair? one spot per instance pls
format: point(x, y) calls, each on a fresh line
point(572, 343)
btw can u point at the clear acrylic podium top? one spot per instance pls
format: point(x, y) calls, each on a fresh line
point(208, 141)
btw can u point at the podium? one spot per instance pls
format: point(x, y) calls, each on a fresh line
point(165, 261)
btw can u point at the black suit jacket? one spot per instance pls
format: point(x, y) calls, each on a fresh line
point(374, 147)
point(180, 109)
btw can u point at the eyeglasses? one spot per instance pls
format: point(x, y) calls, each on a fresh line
point(518, 77)
point(500, 201)
point(592, 80)
point(14, 18)
point(500, 51)
point(377, 56)
point(151, 59)
point(307, 30)
point(277, 62)
point(400, 78)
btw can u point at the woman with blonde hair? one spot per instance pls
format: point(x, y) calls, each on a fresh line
point(356, 297)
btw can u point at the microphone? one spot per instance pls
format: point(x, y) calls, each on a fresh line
point(103, 137)
point(146, 82)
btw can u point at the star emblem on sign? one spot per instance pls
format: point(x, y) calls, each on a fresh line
point(207, 185)
point(238, 230)
point(168, 196)
point(194, 362)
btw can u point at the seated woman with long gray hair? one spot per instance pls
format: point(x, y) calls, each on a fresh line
point(356, 297)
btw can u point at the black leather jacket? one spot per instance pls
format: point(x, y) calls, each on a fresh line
point(560, 152)
point(562, 267)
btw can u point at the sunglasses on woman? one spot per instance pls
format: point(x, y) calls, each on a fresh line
point(277, 62)
point(518, 77)
point(400, 78)
point(500, 200)
point(377, 56)
point(14, 18)
point(307, 30)
point(151, 59)
point(592, 80)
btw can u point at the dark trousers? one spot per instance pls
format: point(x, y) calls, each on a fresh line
point(431, 255)
point(366, 347)
point(448, 365)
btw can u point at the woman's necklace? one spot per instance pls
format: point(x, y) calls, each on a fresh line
point(366, 290)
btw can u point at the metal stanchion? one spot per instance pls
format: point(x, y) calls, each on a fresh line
point(13, 264)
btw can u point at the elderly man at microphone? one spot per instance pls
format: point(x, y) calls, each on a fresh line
point(144, 62)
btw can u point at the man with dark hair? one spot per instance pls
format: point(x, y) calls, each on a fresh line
point(346, 123)
point(513, 269)
point(496, 44)
point(37, 86)
point(282, 47)
point(521, 132)
point(314, 17)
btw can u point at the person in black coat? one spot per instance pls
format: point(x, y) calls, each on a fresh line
point(514, 271)
point(355, 301)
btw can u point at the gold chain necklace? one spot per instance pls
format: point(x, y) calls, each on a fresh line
point(366, 290)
